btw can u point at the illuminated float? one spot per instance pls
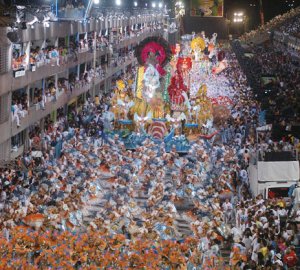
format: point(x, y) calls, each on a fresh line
point(170, 101)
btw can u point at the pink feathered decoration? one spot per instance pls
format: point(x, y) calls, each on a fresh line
point(155, 48)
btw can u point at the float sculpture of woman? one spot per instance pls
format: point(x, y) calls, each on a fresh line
point(121, 101)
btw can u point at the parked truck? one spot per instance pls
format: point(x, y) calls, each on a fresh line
point(273, 179)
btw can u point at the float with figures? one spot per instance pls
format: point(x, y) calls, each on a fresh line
point(176, 97)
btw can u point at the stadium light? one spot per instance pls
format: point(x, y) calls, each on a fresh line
point(160, 5)
point(238, 17)
point(118, 2)
point(153, 4)
point(135, 3)
point(96, 2)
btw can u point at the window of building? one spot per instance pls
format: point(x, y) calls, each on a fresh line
point(18, 140)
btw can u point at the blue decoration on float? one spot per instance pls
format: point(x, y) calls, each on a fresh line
point(190, 125)
point(134, 140)
point(125, 122)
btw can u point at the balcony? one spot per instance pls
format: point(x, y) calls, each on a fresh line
point(35, 114)
point(8, 82)
point(63, 28)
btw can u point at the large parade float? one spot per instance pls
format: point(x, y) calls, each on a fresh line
point(172, 100)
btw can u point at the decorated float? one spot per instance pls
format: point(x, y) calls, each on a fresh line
point(169, 101)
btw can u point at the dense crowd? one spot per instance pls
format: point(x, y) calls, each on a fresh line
point(286, 22)
point(52, 91)
point(208, 187)
point(291, 27)
point(279, 95)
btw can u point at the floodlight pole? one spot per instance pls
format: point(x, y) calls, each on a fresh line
point(261, 11)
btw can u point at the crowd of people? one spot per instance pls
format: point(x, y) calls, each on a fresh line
point(19, 61)
point(50, 55)
point(52, 92)
point(285, 22)
point(279, 96)
point(60, 55)
point(44, 206)
point(292, 27)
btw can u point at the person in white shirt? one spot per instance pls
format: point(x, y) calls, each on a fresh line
point(278, 260)
point(296, 197)
point(21, 112)
point(255, 248)
point(15, 114)
point(282, 212)
point(228, 208)
point(244, 176)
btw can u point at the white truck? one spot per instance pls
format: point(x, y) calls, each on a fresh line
point(273, 178)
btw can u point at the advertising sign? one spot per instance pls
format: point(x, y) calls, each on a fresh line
point(207, 8)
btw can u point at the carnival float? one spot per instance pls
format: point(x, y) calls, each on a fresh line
point(172, 99)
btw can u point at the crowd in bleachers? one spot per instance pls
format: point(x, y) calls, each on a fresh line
point(280, 95)
point(283, 22)
point(291, 27)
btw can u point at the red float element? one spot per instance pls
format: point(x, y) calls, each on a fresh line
point(210, 136)
point(156, 49)
point(184, 64)
point(211, 47)
point(222, 100)
point(176, 89)
point(157, 130)
point(160, 70)
point(173, 49)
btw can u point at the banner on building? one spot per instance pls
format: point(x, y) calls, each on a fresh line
point(207, 8)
